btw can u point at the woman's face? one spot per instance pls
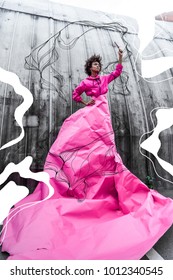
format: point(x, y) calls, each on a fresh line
point(95, 67)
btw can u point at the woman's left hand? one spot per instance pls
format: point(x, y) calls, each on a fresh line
point(120, 52)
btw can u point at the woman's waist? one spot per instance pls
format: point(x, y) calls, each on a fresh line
point(95, 93)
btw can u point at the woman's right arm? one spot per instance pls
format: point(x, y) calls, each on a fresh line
point(76, 95)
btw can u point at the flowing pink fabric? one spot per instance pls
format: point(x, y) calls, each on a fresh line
point(99, 209)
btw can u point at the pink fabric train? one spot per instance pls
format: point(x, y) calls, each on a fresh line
point(99, 209)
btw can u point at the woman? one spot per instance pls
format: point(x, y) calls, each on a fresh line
point(96, 85)
point(96, 198)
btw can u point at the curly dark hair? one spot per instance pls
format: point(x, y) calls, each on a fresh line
point(89, 61)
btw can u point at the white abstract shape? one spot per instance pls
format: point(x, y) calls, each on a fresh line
point(162, 115)
point(150, 64)
point(23, 169)
point(154, 67)
point(145, 37)
point(13, 80)
point(9, 196)
point(152, 144)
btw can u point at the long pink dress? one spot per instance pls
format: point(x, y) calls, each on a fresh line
point(99, 209)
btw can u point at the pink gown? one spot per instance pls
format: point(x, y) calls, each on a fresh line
point(99, 209)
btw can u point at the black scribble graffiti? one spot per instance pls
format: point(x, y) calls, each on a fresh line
point(78, 180)
point(40, 58)
point(46, 57)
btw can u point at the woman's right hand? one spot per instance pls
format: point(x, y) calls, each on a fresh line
point(91, 102)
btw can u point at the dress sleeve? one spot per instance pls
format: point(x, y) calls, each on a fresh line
point(78, 91)
point(113, 75)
